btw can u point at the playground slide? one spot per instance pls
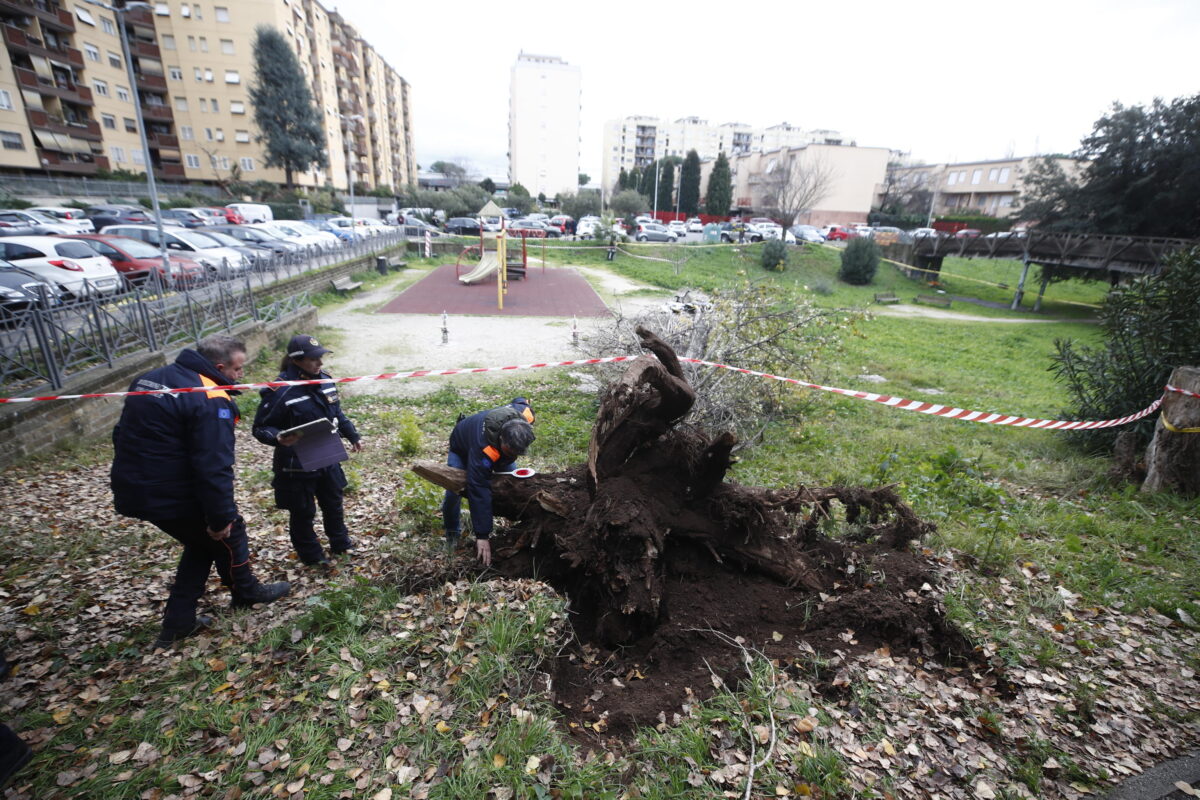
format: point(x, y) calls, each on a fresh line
point(487, 265)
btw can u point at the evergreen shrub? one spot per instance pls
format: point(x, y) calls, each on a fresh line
point(860, 260)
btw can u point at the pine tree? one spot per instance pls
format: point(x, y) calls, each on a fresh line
point(689, 184)
point(284, 111)
point(720, 188)
point(646, 186)
point(666, 187)
point(622, 181)
point(634, 179)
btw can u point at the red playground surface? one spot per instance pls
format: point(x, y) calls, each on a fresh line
point(554, 292)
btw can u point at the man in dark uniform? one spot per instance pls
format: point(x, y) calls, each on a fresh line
point(298, 491)
point(173, 467)
point(483, 443)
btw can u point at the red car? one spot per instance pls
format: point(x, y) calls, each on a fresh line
point(231, 215)
point(134, 259)
point(838, 233)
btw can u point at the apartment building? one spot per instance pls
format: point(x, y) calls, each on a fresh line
point(854, 174)
point(70, 107)
point(636, 141)
point(545, 96)
point(971, 187)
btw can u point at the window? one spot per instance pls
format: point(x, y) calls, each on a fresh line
point(114, 60)
point(196, 11)
point(208, 134)
point(185, 132)
point(123, 93)
point(242, 136)
point(962, 176)
point(162, 9)
point(208, 75)
point(192, 43)
point(221, 13)
point(107, 26)
point(100, 87)
point(203, 44)
point(220, 135)
point(951, 178)
point(992, 174)
point(1004, 175)
point(168, 41)
point(976, 177)
point(237, 107)
point(198, 74)
point(84, 16)
point(117, 154)
point(186, 10)
point(175, 73)
point(204, 105)
point(192, 161)
point(227, 47)
point(130, 124)
point(5, 100)
point(247, 164)
point(137, 156)
point(108, 121)
point(216, 107)
point(181, 104)
point(11, 140)
point(92, 52)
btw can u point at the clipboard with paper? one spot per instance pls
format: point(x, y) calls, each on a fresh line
point(319, 444)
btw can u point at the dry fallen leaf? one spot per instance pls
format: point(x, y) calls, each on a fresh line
point(499, 760)
point(984, 792)
point(119, 757)
point(442, 727)
point(383, 794)
point(1187, 789)
point(531, 765)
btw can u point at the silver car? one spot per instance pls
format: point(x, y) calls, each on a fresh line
point(217, 259)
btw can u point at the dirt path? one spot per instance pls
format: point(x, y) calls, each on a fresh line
point(367, 342)
point(904, 310)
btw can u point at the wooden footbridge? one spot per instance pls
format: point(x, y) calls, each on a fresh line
point(1092, 255)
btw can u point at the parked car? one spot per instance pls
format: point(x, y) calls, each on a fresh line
point(342, 231)
point(839, 233)
point(104, 215)
point(564, 222)
point(586, 228)
point(77, 270)
point(287, 230)
point(678, 227)
point(254, 253)
point(739, 231)
point(490, 224)
point(215, 258)
point(253, 235)
point(462, 226)
point(511, 213)
point(136, 260)
point(694, 225)
point(968, 233)
point(863, 231)
point(419, 227)
point(67, 216)
point(187, 217)
point(530, 228)
point(37, 222)
point(1021, 234)
point(253, 212)
point(807, 233)
point(214, 215)
point(22, 289)
point(323, 239)
point(654, 232)
point(918, 233)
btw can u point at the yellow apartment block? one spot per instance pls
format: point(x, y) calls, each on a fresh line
point(66, 105)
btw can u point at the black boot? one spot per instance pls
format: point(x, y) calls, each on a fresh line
point(260, 593)
point(169, 636)
point(14, 754)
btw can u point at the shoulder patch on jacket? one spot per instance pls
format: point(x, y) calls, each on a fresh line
point(223, 413)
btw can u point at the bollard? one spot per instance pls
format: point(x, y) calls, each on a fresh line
point(381, 265)
point(445, 330)
point(574, 332)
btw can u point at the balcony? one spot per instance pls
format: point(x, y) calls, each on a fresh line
point(172, 171)
point(138, 47)
point(146, 81)
point(89, 129)
point(72, 93)
point(163, 140)
point(140, 15)
point(18, 40)
point(54, 162)
point(157, 113)
point(49, 13)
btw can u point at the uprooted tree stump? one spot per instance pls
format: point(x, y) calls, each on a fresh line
point(1173, 458)
point(605, 532)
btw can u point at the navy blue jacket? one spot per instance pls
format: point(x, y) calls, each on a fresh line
point(173, 453)
point(476, 440)
point(289, 406)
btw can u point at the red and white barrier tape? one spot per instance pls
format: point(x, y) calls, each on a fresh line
point(919, 406)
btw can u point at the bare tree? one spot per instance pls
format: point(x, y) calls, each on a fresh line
point(225, 171)
point(792, 185)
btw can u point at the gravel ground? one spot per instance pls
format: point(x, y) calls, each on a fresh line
point(366, 343)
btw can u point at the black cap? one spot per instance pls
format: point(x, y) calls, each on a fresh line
point(304, 346)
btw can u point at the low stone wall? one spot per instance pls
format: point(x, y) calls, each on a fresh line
point(318, 280)
point(30, 428)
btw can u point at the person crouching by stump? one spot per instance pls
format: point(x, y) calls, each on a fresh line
point(297, 490)
point(482, 444)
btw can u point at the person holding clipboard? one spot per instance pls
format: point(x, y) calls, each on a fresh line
point(305, 425)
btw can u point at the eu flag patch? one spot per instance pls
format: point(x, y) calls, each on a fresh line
point(223, 413)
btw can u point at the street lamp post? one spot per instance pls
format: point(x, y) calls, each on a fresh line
point(119, 13)
point(350, 166)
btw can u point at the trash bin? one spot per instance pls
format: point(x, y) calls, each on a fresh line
point(381, 265)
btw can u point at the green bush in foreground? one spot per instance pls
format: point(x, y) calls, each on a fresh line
point(774, 255)
point(860, 260)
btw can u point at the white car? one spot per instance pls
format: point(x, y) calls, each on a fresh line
point(807, 233)
point(694, 225)
point(289, 231)
point(373, 227)
point(70, 264)
point(215, 258)
point(35, 222)
point(919, 232)
point(67, 216)
point(679, 227)
point(863, 231)
point(328, 241)
point(586, 228)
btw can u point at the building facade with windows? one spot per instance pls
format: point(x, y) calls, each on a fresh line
point(638, 141)
point(72, 106)
point(971, 187)
point(545, 94)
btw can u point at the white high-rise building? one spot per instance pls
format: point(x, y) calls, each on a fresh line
point(543, 125)
point(637, 141)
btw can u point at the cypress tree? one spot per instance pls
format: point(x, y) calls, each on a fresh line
point(284, 111)
point(622, 181)
point(720, 188)
point(689, 184)
point(666, 187)
point(646, 186)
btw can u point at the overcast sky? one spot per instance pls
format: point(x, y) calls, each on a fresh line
point(945, 81)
